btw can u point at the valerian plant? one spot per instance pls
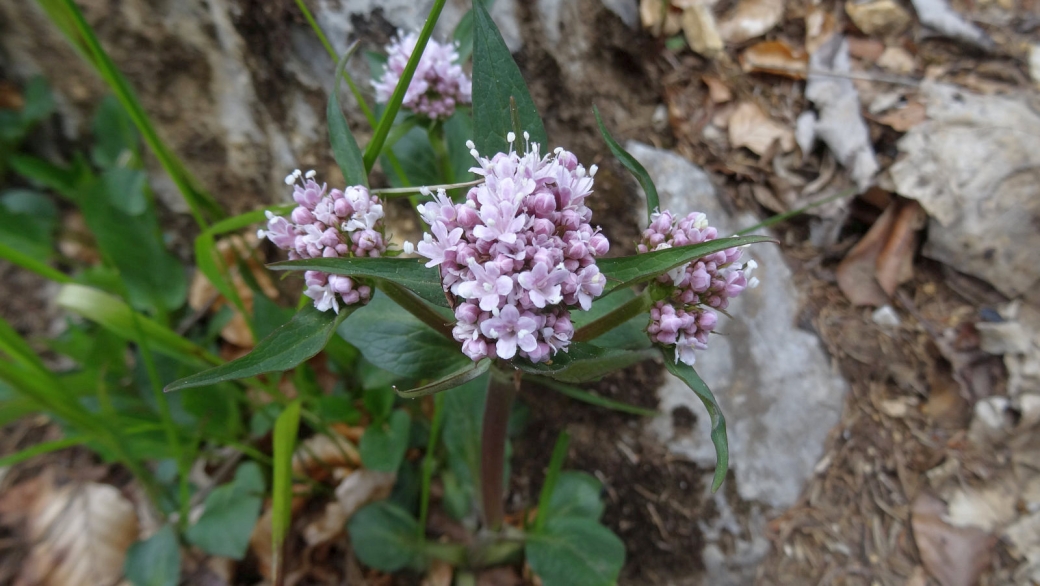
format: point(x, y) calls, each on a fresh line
point(511, 279)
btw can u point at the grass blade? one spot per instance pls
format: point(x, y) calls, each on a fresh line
point(559, 454)
point(584, 396)
point(285, 430)
point(634, 167)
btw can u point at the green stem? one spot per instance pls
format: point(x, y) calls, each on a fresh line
point(493, 451)
point(416, 306)
point(439, 143)
point(788, 215)
point(397, 98)
point(615, 318)
point(428, 463)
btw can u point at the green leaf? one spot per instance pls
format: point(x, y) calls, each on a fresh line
point(626, 271)
point(552, 475)
point(344, 147)
point(383, 446)
point(575, 551)
point(577, 494)
point(285, 429)
point(418, 161)
point(410, 273)
point(114, 134)
point(383, 536)
point(64, 181)
point(630, 335)
point(464, 406)
point(395, 340)
point(37, 449)
point(584, 362)
point(379, 401)
point(27, 222)
point(115, 315)
point(125, 189)
point(460, 376)
point(230, 514)
point(39, 102)
point(634, 167)
point(496, 80)
point(295, 342)
point(688, 375)
point(592, 399)
point(155, 561)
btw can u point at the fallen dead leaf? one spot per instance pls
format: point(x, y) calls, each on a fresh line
point(865, 49)
point(80, 534)
point(857, 271)
point(955, 556)
point(261, 544)
point(750, 127)
point(775, 57)
point(326, 526)
point(897, 60)
point(904, 118)
point(318, 455)
point(702, 34)
point(440, 574)
point(878, 18)
point(661, 18)
point(718, 91)
point(750, 19)
point(505, 576)
point(10, 97)
point(820, 26)
point(363, 486)
point(895, 262)
point(764, 196)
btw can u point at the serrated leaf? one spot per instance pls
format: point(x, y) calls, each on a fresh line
point(461, 376)
point(634, 167)
point(409, 273)
point(496, 80)
point(384, 536)
point(295, 342)
point(155, 561)
point(575, 551)
point(344, 147)
point(230, 514)
point(395, 340)
point(626, 271)
point(688, 375)
point(383, 445)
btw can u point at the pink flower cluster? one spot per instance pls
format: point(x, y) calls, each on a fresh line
point(347, 223)
point(686, 317)
point(519, 252)
point(439, 83)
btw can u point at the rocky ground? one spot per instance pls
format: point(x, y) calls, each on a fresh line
point(882, 385)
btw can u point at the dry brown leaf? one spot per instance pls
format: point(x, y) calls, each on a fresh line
point(865, 49)
point(319, 454)
point(80, 534)
point(764, 196)
point(202, 294)
point(10, 97)
point(955, 556)
point(905, 118)
point(440, 574)
point(261, 544)
point(820, 25)
point(718, 91)
point(775, 57)
point(363, 486)
point(750, 127)
point(895, 262)
point(878, 18)
point(661, 18)
point(897, 60)
point(326, 526)
point(750, 19)
point(856, 271)
point(702, 34)
point(504, 576)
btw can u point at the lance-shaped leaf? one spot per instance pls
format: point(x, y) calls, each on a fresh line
point(634, 167)
point(625, 271)
point(461, 376)
point(409, 273)
point(344, 147)
point(288, 346)
point(688, 375)
point(584, 362)
point(496, 79)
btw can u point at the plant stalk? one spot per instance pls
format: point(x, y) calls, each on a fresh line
point(493, 451)
point(440, 149)
point(417, 307)
point(640, 304)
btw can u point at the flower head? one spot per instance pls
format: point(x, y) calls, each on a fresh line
point(329, 224)
point(519, 253)
point(696, 289)
point(438, 85)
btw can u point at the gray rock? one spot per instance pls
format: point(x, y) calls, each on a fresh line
point(974, 165)
point(774, 382)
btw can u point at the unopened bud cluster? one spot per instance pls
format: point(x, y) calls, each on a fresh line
point(519, 252)
point(696, 289)
point(329, 224)
point(438, 85)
